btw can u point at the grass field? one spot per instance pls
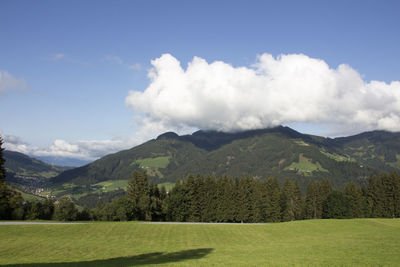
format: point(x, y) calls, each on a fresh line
point(337, 157)
point(357, 242)
point(152, 165)
point(159, 162)
point(111, 185)
point(30, 197)
point(305, 165)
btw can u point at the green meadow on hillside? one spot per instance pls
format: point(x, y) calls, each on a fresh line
point(305, 165)
point(357, 242)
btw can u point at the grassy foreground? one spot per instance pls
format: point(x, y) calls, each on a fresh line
point(357, 242)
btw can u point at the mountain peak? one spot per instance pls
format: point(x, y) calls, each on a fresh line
point(170, 135)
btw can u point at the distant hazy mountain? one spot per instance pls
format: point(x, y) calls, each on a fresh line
point(281, 152)
point(63, 161)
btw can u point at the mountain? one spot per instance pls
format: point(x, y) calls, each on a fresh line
point(280, 152)
point(24, 170)
point(63, 161)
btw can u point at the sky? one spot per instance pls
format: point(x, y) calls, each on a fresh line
point(82, 79)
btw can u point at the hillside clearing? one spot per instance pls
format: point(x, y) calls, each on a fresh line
point(305, 166)
point(357, 242)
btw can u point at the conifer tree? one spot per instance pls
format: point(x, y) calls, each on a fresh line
point(2, 161)
point(273, 211)
point(354, 196)
point(177, 203)
point(391, 194)
point(260, 201)
point(193, 186)
point(245, 191)
point(138, 194)
point(11, 201)
point(209, 200)
point(225, 199)
point(396, 200)
point(324, 189)
point(375, 197)
point(156, 207)
point(336, 205)
point(287, 201)
point(311, 201)
point(298, 201)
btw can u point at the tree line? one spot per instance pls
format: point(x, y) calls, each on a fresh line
point(225, 199)
point(222, 199)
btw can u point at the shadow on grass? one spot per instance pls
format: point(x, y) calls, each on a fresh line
point(142, 259)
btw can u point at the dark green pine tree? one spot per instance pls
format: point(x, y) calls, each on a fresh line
point(396, 200)
point(311, 200)
point(287, 201)
point(11, 201)
point(177, 203)
point(138, 194)
point(225, 197)
point(260, 199)
point(283, 203)
point(193, 187)
point(244, 197)
point(336, 205)
point(354, 196)
point(390, 187)
point(273, 209)
point(156, 203)
point(2, 161)
point(375, 198)
point(298, 201)
point(325, 188)
point(209, 200)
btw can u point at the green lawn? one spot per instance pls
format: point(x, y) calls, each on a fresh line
point(357, 242)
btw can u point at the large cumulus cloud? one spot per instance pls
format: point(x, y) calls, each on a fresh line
point(273, 91)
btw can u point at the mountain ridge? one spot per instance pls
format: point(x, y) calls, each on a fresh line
point(280, 151)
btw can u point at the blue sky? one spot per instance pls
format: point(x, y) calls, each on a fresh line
point(72, 64)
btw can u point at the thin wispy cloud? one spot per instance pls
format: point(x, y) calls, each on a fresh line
point(114, 59)
point(135, 66)
point(120, 61)
point(54, 57)
point(8, 82)
point(58, 56)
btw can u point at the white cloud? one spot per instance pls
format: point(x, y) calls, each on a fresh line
point(9, 82)
point(58, 56)
point(114, 59)
point(120, 61)
point(85, 150)
point(135, 66)
point(54, 57)
point(273, 91)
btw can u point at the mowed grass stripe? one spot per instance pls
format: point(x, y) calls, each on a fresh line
point(359, 242)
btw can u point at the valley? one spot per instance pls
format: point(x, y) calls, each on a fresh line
point(279, 152)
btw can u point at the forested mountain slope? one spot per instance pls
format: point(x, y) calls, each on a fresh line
point(280, 152)
point(22, 166)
